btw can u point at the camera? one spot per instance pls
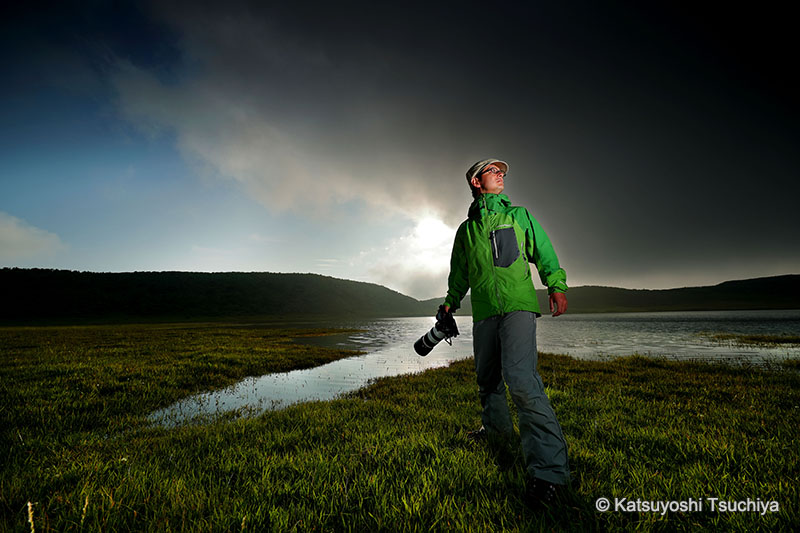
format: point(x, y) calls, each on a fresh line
point(445, 328)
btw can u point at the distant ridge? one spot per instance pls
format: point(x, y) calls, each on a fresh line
point(64, 296)
point(42, 294)
point(776, 292)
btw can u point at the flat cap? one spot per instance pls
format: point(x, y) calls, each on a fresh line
point(476, 169)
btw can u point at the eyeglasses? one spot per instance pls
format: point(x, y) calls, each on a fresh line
point(493, 170)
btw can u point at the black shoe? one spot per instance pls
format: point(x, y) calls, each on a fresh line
point(478, 435)
point(541, 494)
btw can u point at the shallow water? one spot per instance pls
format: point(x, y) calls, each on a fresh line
point(389, 343)
point(389, 347)
point(676, 335)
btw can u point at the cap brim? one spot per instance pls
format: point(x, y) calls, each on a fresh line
point(478, 167)
point(502, 165)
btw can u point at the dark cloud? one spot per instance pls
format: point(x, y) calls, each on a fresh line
point(656, 144)
point(649, 141)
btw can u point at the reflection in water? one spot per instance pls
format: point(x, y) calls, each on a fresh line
point(389, 347)
point(389, 344)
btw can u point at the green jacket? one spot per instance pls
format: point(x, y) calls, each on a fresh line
point(491, 253)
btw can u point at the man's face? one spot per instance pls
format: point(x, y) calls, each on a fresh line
point(490, 180)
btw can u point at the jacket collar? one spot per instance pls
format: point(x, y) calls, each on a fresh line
point(488, 203)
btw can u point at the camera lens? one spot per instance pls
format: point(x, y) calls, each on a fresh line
point(425, 344)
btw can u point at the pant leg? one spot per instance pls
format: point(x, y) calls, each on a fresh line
point(495, 415)
point(543, 444)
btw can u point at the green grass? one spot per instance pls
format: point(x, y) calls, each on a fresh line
point(392, 456)
point(757, 340)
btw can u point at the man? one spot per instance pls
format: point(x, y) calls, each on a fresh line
point(491, 253)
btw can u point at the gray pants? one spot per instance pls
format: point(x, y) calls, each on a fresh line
point(505, 353)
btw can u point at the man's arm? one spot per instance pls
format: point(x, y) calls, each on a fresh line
point(458, 280)
point(540, 251)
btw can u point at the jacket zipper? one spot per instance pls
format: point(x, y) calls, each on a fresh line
point(494, 268)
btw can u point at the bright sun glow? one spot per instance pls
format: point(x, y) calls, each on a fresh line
point(428, 246)
point(416, 263)
point(431, 234)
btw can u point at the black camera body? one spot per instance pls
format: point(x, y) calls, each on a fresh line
point(445, 329)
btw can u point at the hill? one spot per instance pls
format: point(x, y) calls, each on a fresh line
point(64, 295)
point(43, 295)
point(776, 292)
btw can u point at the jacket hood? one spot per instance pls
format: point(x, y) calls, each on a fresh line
point(488, 202)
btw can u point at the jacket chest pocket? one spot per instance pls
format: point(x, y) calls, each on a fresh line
point(505, 249)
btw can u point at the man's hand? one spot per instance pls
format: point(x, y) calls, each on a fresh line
point(558, 303)
point(445, 321)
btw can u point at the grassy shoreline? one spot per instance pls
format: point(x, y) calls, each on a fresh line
point(392, 456)
point(754, 340)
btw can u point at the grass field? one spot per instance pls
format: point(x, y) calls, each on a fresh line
point(757, 340)
point(393, 456)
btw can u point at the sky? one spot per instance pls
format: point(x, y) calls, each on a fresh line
point(656, 145)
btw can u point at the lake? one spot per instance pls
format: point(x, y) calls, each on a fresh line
point(389, 347)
